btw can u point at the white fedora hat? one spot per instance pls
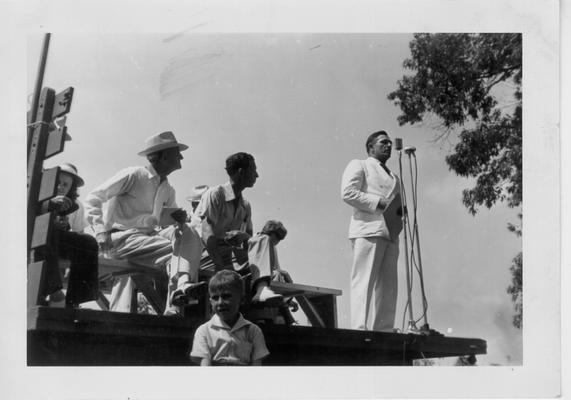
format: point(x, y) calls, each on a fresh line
point(164, 140)
point(71, 170)
point(197, 193)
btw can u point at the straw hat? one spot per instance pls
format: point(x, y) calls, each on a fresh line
point(71, 170)
point(197, 193)
point(162, 141)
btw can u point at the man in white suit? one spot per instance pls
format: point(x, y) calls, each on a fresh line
point(373, 192)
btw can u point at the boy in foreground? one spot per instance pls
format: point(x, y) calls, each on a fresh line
point(228, 339)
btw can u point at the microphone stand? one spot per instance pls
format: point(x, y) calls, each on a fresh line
point(411, 323)
point(425, 326)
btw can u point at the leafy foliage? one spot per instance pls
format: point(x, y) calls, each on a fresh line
point(516, 289)
point(457, 77)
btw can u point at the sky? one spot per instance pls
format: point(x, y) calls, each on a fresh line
point(303, 105)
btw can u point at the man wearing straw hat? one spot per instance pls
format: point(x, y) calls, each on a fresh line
point(130, 227)
point(196, 195)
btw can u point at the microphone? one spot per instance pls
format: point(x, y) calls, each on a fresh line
point(398, 144)
point(409, 150)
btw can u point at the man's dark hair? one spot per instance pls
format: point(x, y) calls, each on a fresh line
point(237, 161)
point(275, 227)
point(372, 137)
point(226, 279)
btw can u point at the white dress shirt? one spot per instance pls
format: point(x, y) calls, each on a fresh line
point(135, 197)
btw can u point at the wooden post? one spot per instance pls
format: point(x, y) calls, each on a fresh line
point(39, 82)
point(37, 146)
point(41, 185)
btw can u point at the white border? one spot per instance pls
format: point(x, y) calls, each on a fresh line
point(538, 20)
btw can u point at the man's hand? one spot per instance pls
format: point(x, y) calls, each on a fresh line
point(281, 275)
point(61, 204)
point(179, 216)
point(104, 241)
point(382, 204)
point(236, 238)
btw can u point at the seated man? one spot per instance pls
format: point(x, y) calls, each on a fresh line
point(226, 217)
point(130, 227)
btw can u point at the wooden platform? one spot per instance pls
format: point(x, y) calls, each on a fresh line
point(68, 337)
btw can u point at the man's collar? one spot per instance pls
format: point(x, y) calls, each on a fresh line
point(377, 162)
point(241, 322)
point(152, 172)
point(228, 191)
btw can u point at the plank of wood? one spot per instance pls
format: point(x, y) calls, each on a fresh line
point(48, 186)
point(109, 267)
point(144, 286)
point(60, 336)
point(311, 312)
point(42, 231)
point(295, 289)
point(36, 277)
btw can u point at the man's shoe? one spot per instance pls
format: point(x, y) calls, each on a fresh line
point(187, 292)
point(268, 296)
point(173, 311)
point(55, 297)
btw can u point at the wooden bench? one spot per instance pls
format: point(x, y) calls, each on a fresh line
point(151, 282)
point(319, 304)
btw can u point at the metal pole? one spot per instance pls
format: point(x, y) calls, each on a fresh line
point(38, 86)
point(417, 240)
point(411, 324)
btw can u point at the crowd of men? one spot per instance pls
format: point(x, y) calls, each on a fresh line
point(135, 217)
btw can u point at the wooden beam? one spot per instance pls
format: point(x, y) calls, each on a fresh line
point(293, 289)
point(36, 155)
point(311, 312)
point(59, 336)
point(142, 284)
point(36, 278)
point(42, 231)
point(48, 186)
point(56, 141)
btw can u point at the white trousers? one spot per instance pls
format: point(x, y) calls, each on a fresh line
point(182, 249)
point(374, 284)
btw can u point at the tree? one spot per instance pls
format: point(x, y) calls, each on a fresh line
point(515, 289)
point(461, 79)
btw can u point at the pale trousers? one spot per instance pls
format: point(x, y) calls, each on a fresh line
point(180, 250)
point(374, 283)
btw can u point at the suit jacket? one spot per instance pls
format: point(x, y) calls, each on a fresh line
point(364, 183)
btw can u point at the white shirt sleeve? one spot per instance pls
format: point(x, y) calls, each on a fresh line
point(259, 348)
point(117, 184)
point(351, 188)
point(200, 348)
